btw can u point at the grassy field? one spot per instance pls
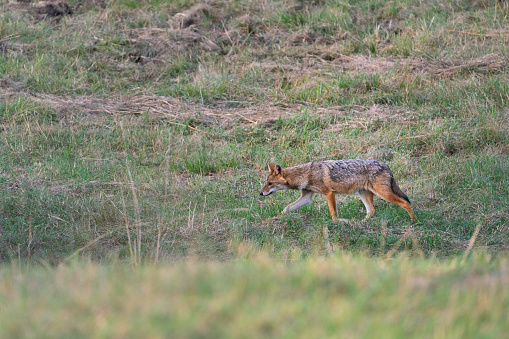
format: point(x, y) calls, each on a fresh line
point(138, 132)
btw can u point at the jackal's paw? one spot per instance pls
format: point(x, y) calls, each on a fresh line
point(284, 211)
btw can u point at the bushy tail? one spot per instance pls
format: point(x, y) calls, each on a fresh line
point(395, 188)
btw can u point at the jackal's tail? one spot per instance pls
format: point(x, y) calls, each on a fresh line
point(395, 188)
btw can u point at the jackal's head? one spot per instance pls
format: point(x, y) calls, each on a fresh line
point(275, 181)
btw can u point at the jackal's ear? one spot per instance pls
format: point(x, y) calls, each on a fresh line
point(271, 167)
point(278, 169)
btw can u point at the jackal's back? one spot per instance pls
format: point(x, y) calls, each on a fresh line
point(356, 169)
point(343, 176)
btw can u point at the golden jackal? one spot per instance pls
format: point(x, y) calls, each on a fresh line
point(353, 176)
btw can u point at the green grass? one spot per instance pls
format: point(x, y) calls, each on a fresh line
point(182, 176)
point(135, 133)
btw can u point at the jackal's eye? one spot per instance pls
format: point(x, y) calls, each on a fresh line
point(270, 184)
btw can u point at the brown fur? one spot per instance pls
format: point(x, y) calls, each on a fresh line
point(353, 176)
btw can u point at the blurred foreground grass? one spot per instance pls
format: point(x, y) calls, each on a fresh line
point(341, 296)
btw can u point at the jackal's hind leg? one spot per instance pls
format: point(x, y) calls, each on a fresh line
point(367, 200)
point(388, 195)
point(305, 198)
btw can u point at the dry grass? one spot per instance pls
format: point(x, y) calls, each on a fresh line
point(168, 108)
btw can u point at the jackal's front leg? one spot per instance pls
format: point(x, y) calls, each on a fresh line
point(331, 200)
point(305, 198)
